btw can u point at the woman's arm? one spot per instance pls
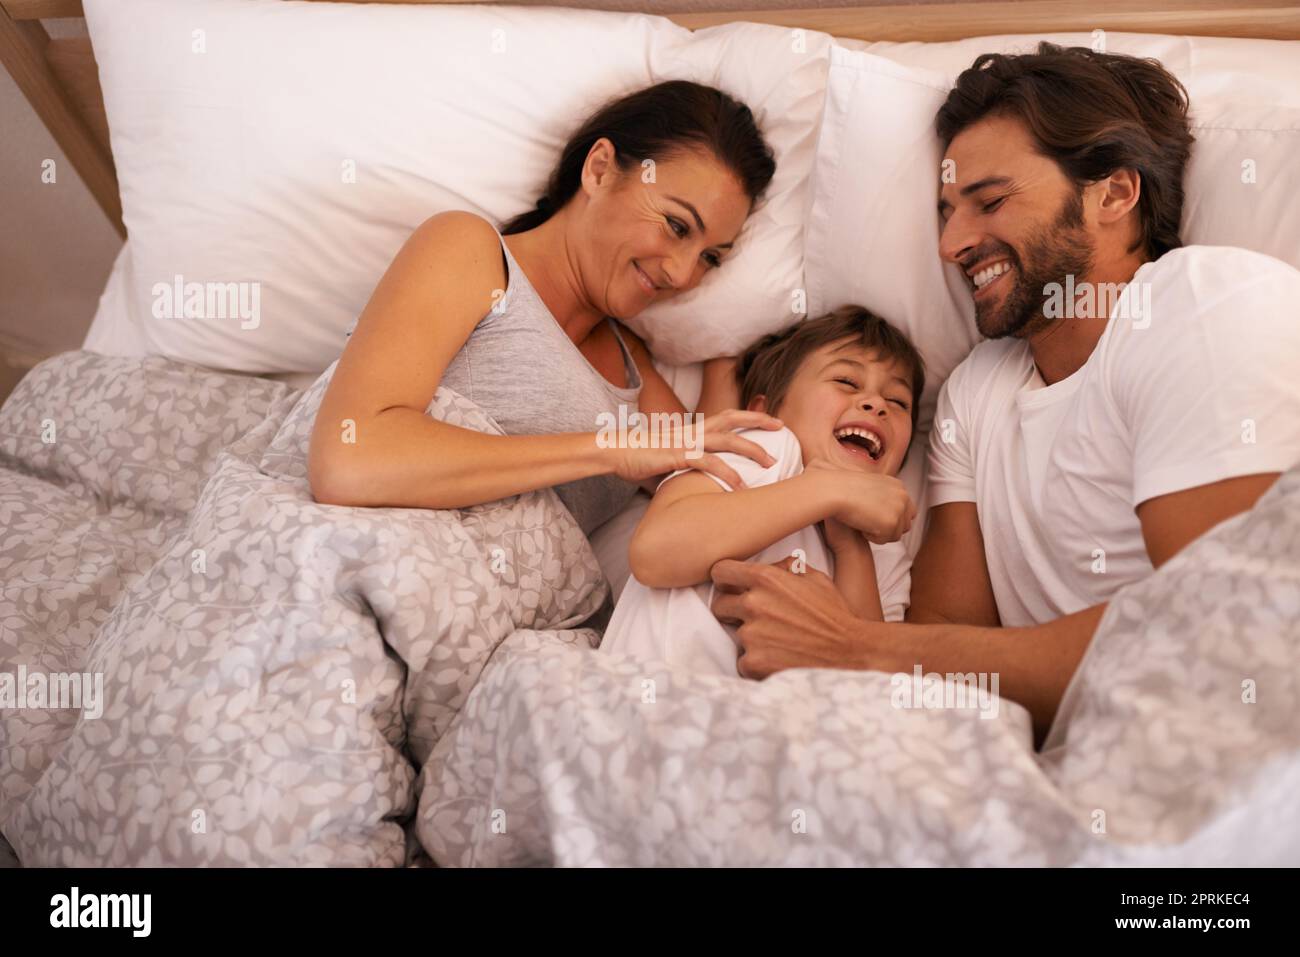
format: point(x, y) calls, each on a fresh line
point(719, 390)
point(374, 444)
point(656, 394)
point(715, 396)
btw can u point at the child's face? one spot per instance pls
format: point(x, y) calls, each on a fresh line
point(841, 391)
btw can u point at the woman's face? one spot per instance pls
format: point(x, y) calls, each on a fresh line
point(657, 230)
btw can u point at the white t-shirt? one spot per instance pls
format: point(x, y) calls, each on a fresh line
point(1203, 386)
point(675, 624)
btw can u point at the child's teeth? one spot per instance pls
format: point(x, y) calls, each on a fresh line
point(872, 439)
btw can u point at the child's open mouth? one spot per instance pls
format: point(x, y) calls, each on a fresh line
point(859, 441)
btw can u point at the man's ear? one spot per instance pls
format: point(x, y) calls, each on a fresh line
point(758, 404)
point(1119, 193)
point(600, 167)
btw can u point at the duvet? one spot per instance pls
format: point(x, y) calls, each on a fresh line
point(274, 671)
point(290, 683)
point(1177, 744)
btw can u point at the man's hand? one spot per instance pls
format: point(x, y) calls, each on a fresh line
point(788, 620)
point(801, 621)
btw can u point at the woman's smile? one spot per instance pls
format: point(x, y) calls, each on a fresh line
point(644, 280)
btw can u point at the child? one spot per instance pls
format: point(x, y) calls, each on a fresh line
point(845, 386)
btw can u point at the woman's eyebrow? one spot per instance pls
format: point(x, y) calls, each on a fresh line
point(698, 222)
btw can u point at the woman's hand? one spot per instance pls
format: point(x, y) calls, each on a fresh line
point(878, 506)
point(718, 435)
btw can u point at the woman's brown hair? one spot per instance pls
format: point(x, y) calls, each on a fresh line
point(656, 123)
point(1092, 113)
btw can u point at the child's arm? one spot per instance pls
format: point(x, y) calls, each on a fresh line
point(693, 523)
point(855, 570)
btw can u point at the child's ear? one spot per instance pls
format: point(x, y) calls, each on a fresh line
point(758, 404)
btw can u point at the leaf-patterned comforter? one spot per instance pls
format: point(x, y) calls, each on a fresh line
point(1178, 743)
point(291, 683)
point(274, 671)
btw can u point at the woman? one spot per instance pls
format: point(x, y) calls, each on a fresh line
point(648, 197)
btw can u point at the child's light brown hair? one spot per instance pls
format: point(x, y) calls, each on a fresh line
point(768, 366)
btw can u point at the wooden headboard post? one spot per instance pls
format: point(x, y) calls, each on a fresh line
point(61, 81)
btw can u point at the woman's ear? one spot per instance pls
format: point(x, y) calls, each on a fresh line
point(600, 167)
point(758, 404)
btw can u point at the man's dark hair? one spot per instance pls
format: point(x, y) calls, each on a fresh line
point(1092, 113)
point(768, 366)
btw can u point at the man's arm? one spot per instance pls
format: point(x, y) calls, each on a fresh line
point(801, 621)
point(1169, 522)
point(950, 577)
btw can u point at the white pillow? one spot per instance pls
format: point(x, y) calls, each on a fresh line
point(232, 161)
point(873, 229)
point(872, 235)
point(781, 75)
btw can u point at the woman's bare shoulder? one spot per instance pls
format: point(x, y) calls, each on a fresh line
point(460, 248)
point(461, 233)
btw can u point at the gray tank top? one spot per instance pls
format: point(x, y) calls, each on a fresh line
point(521, 368)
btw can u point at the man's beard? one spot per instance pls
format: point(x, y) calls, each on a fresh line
point(1051, 253)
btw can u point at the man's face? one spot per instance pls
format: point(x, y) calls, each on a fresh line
point(1013, 222)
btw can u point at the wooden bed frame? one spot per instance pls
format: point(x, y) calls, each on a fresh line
point(61, 81)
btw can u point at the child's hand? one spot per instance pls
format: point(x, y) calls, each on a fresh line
point(878, 506)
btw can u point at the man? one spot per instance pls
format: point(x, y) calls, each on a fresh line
point(1094, 435)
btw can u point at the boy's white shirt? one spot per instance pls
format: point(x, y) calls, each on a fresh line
point(675, 625)
point(1205, 388)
